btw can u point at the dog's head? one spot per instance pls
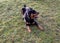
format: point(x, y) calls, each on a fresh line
point(34, 15)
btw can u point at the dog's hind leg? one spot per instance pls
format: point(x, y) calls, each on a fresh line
point(28, 28)
point(40, 27)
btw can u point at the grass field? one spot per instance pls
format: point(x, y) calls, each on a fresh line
point(12, 27)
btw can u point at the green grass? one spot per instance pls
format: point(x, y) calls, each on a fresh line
point(12, 27)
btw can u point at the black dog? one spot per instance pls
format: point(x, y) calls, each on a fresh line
point(31, 18)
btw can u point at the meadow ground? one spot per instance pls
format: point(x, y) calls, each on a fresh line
point(12, 27)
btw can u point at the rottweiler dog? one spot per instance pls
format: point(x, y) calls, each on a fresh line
point(31, 19)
